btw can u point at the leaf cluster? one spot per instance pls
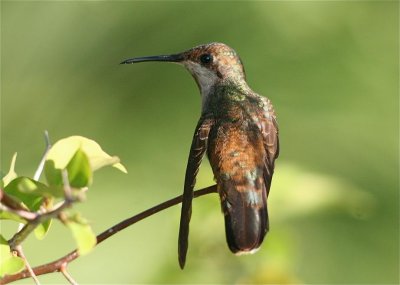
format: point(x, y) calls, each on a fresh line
point(68, 167)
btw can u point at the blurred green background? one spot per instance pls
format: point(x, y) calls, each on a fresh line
point(331, 70)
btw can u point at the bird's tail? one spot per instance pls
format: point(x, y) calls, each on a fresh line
point(246, 216)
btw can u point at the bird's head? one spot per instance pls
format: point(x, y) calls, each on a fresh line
point(209, 64)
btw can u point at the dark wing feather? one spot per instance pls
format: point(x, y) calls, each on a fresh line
point(197, 150)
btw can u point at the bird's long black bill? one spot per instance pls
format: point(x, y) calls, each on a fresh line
point(167, 58)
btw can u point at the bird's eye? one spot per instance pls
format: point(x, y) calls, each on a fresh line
point(206, 58)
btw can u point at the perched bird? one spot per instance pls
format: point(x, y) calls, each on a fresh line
point(239, 132)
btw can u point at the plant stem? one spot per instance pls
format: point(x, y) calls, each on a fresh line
point(21, 235)
point(27, 265)
point(60, 263)
point(67, 276)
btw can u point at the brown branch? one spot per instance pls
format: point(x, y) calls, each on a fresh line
point(60, 263)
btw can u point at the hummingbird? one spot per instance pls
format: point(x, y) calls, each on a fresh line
point(239, 132)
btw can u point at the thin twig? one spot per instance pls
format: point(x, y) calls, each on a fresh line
point(21, 254)
point(57, 264)
point(39, 170)
point(29, 216)
point(27, 265)
point(67, 276)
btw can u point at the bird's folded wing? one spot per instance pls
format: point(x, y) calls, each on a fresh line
point(197, 150)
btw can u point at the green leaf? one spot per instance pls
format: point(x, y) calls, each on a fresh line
point(120, 167)
point(12, 202)
point(31, 195)
point(50, 191)
point(32, 192)
point(53, 175)
point(42, 229)
point(79, 171)
point(82, 233)
point(25, 189)
point(9, 264)
point(27, 186)
point(63, 151)
point(11, 175)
